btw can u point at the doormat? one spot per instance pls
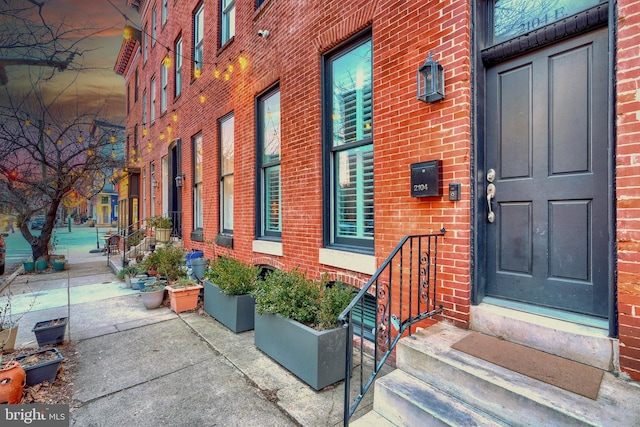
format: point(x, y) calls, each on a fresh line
point(566, 374)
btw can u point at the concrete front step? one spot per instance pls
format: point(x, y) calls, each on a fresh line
point(570, 340)
point(517, 399)
point(406, 401)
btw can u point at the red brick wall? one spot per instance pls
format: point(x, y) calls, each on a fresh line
point(628, 185)
point(405, 131)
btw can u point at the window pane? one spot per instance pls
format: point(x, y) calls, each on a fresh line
point(198, 36)
point(153, 26)
point(273, 215)
point(354, 193)
point(197, 206)
point(197, 151)
point(152, 107)
point(163, 93)
point(228, 21)
point(271, 128)
point(512, 18)
point(226, 136)
point(227, 203)
point(352, 113)
point(178, 62)
point(144, 109)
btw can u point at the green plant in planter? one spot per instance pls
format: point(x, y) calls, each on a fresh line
point(129, 270)
point(184, 282)
point(156, 285)
point(160, 221)
point(151, 261)
point(293, 295)
point(171, 262)
point(232, 276)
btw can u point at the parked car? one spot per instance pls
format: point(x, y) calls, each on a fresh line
point(37, 223)
point(3, 251)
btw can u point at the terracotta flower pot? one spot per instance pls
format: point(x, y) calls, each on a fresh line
point(184, 298)
point(12, 382)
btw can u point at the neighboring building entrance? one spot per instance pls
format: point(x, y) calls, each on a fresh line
point(546, 139)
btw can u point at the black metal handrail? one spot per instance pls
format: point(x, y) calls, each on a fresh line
point(132, 236)
point(413, 261)
point(176, 220)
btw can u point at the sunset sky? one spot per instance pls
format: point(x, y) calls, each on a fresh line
point(97, 85)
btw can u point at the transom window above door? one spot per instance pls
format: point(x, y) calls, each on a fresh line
point(512, 18)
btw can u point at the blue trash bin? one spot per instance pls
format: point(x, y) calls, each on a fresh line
point(193, 255)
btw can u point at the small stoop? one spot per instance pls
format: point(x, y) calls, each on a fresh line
point(437, 385)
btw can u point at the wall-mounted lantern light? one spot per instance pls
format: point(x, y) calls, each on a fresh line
point(430, 81)
point(154, 183)
point(179, 180)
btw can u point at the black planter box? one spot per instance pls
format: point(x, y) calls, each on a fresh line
point(44, 371)
point(50, 334)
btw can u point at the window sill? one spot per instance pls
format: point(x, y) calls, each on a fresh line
point(268, 247)
point(197, 235)
point(348, 260)
point(224, 240)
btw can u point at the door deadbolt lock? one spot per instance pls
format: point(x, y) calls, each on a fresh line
point(491, 175)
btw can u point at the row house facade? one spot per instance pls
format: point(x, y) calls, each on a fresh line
point(284, 133)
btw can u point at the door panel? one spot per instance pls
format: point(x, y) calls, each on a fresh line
point(547, 141)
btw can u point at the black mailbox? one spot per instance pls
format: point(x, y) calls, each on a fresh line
point(425, 179)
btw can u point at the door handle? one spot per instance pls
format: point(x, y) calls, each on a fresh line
point(491, 193)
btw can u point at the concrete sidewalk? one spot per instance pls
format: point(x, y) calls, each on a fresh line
point(142, 367)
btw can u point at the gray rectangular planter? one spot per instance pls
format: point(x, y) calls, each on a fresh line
point(236, 312)
point(316, 357)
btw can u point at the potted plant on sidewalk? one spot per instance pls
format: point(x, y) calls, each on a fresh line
point(227, 293)
point(183, 294)
point(29, 264)
point(12, 382)
point(127, 272)
point(50, 331)
point(170, 262)
point(152, 294)
point(42, 263)
point(296, 324)
point(150, 263)
point(41, 365)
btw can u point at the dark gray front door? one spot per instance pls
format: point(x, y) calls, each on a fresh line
point(546, 140)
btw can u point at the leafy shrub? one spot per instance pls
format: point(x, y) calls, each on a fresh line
point(159, 221)
point(335, 299)
point(129, 270)
point(232, 276)
point(184, 282)
point(171, 262)
point(293, 295)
